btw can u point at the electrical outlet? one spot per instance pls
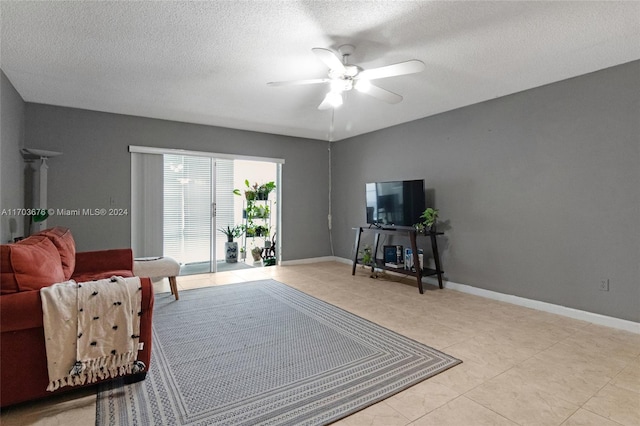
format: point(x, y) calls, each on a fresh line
point(604, 284)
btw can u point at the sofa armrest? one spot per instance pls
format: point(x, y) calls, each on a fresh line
point(104, 260)
point(20, 311)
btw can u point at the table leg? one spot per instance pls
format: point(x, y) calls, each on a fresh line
point(174, 287)
point(355, 256)
point(416, 260)
point(436, 257)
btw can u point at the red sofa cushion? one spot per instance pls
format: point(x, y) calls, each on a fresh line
point(66, 245)
point(30, 264)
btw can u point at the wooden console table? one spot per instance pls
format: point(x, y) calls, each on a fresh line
point(410, 232)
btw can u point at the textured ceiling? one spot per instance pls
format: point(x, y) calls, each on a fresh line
point(209, 62)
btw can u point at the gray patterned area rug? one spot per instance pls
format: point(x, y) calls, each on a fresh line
point(264, 353)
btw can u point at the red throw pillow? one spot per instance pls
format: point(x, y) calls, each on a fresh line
point(31, 264)
point(64, 242)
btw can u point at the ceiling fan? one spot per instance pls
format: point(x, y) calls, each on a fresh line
point(344, 77)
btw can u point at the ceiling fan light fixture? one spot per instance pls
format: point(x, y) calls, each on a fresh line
point(362, 85)
point(337, 85)
point(334, 99)
point(351, 70)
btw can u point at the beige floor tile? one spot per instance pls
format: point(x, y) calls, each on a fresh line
point(380, 414)
point(457, 318)
point(629, 377)
point(421, 399)
point(466, 376)
point(614, 335)
point(587, 418)
point(521, 402)
point(433, 334)
point(77, 408)
point(190, 285)
point(530, 334)
point(357, 306)
point(558, 320)
point(615, 344)
point(617, 404)
point(492, 350)
point(574, 360)
point(573, 383)
point(462, 412)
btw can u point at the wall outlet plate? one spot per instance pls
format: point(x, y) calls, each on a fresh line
point(604, 284)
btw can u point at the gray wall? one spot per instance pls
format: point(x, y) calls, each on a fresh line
point(12, 112)
point(95, 167)
point(539, 192)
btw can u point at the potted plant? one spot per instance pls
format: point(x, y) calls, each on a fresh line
point(255, 191)
point(430, 215)
point(261, 212)
point(231, 247)
point(367, 258)
point(251, 193)
point(262, 231)
point(254, 211)
point(264, 190)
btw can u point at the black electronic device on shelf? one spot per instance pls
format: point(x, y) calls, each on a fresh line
point(395, 203)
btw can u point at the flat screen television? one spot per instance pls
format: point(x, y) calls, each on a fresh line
point(396, 203)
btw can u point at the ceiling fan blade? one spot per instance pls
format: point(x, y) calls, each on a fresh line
point(329, 58)
point(298, 82)
point(383, 94)
point(408, 67)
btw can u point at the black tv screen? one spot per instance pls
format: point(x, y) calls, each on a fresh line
point(396, 203)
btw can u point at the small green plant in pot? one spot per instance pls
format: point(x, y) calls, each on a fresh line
point(262, 231)
point(430, 215)
point(250, 193)
point(264, 190)
point(231, 233)
point(367, 257)
point(255, 191)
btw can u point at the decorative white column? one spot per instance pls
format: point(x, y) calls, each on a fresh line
point(40, 185)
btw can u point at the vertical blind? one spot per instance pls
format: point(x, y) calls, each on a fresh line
point(146, 204)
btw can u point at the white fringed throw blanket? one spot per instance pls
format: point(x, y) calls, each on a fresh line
point(91, 330)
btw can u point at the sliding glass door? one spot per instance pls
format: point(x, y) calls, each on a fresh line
point(189, 212)
point(198, 199)
point(180, 200)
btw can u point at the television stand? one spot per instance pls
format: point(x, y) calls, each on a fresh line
point(410, 232)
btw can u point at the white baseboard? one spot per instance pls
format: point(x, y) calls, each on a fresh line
point(591, 317)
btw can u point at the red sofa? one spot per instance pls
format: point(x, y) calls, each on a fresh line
point(25, 267)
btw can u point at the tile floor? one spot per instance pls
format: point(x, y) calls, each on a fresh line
point(521, 366)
